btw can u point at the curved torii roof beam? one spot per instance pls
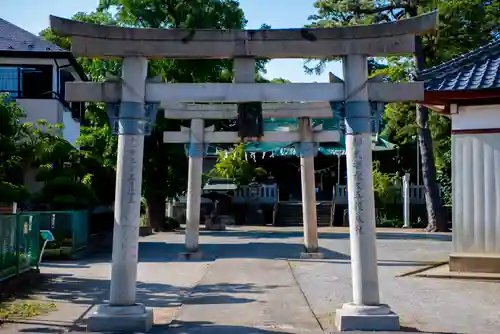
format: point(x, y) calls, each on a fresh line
point(92, 40)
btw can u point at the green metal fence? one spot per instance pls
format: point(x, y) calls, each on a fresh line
point(20, 240)
point(70, 228)
point(19, 244)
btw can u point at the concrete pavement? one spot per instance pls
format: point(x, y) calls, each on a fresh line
point(253, 281)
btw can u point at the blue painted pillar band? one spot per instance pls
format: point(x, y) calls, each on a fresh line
point(196, 150)
point(358, 117)
point(131, 118)
point(307, 149)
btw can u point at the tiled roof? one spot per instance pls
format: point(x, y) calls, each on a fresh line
point(476, 70)
point(13, 38)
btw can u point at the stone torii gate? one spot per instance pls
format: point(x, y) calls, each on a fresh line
point(133, 94)
point(197, 136)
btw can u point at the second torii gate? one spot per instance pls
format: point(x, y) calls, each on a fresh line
point(133, 93)
point(197, 137)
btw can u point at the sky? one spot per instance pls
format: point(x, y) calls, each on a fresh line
point(33, 15)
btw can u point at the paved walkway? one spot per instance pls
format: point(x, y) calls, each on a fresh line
point(255, 282)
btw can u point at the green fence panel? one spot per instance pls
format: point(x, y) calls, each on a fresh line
point(20, 244)
point(20, 240)
point(29, 245)
point(70, 228)
point(8, 252)
point(80, 229)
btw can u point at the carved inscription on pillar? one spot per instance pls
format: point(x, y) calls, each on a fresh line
point(129, 218)
point(358, 178)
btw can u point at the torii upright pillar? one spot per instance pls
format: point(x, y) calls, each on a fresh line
point(353, 43)
point(365, 312)
point(307, 150)
point(195, 171)
point(122, 312)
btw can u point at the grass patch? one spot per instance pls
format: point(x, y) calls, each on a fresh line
point(24, 309)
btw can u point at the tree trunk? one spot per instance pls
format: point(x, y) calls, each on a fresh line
point(437, 221)
point(156, 212)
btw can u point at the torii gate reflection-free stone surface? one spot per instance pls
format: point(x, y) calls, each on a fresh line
point(136, 45)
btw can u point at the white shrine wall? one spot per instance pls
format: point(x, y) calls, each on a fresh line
point(476, 179)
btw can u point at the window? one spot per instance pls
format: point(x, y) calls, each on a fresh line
point(26, 81)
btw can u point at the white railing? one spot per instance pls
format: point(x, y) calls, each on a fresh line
point(268, 195)
point(417, 194)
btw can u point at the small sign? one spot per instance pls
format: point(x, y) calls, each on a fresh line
point(47, 235)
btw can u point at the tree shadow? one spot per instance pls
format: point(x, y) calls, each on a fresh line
point(205, 327)
point(176, 327)
point(150, 251)
point(277, 234)
point(381, 263)
point(153, 252)
point(180, 327)
point(88, 291)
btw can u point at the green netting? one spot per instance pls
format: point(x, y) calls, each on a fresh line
point(19, 244)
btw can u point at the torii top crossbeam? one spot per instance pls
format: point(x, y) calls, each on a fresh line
point(92, 40)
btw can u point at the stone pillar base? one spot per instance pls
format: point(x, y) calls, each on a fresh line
point(366, 318)
point(315, 255)
point(107, 318)
point(195, 256)
point(475, 263)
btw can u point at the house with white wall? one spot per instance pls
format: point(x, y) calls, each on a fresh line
point(34, 72)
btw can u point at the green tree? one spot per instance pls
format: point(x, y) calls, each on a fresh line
point(165, 165)
point(464, 25)
point(234, 165)
point(25, 146)
point(97, 145)
point(12, 131)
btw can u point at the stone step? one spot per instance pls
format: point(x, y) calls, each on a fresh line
point(291, 214)
point(475, 263)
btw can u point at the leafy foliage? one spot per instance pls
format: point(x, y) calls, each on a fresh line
point(165, 165)
point(385, 186)
point(463, 25)
point(67, 174)
point(11, 160)
point(233, 165)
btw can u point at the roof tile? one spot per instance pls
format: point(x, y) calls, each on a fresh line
point(14, 38)
point(476, 70)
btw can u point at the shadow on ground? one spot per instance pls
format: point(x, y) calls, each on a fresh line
point(178, 327)
point(415, 330)
point(153, 252)
point(277, 234)
point(381, 263)
point(174, 328)
point(251, 250)
point(89, 291)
